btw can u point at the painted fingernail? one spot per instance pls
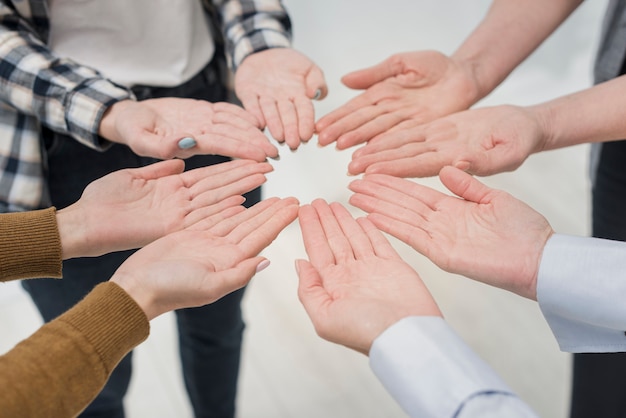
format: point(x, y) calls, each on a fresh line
point(318, 94)
point(277, 158)
point(262, 265)
point(187, 142)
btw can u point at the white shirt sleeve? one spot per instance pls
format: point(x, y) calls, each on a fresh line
point(581, 287)
point(431, 372)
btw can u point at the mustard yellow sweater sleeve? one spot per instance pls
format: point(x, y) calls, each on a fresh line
point(58, 370)
point(30, 245)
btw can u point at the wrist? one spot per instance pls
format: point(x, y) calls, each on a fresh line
point(140, 294)
point(543, 115)
point(107, 128)
point(73, 232)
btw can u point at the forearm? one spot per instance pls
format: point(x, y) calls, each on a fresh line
point(508, 34)
point(64, 365)
point(61, 94)
point(595, 114)
point(251, 26)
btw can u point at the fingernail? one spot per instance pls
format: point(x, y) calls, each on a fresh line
point(262, 265)
point(277, 158)
point(187, 142)
point(318, 94)
point(297, 263)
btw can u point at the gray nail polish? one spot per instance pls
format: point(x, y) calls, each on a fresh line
point(187, 142)
point(318, 94)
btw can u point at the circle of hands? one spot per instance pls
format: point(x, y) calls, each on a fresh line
point(411, 119)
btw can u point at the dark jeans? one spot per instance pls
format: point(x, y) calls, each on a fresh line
point(599, 379)
point(209, 337)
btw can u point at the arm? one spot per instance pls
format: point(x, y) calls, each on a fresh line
point(68, 360)
point(359, 293)
point(70, 98)
point(414, 88)
point(123, 210)
point(489, 236)
point(273, 81)
point(579, 288)
point(491, 140)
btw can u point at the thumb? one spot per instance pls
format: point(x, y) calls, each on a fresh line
point(316, 87)
point(311, 291)
point(160, 169)
point(239, 276)
point(464, 185)
point(367, 77)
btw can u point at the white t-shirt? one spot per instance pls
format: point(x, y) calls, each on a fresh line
point(149, 42)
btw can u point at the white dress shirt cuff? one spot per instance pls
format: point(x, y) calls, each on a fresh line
point(580, 289)
point(431, 372)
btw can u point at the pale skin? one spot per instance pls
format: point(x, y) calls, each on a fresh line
point(484, 234)
point(355, 285)
point(132, 207)
point(198, 266)
point(415, 88)
point(154, 127)
point(496, 139)
point(277, 86)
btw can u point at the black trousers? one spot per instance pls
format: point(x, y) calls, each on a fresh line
point(599, 379)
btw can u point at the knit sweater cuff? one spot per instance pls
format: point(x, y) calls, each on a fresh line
point(111, 321)
point(30, 245)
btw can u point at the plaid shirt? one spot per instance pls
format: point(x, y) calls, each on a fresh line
point(39, 89)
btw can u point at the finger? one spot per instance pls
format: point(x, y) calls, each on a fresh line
point(381, 245)
point(226, 146)
point(238, 187)
point(415, 236)
point(306, 118)
point(229, 280)
point(271, 114)
point(412, 160)
point(322, 126)
point(386, 141)
point(314, 238)
point(311, 291)
point(224, 228)
point(464, 185)
point(204, 218)
point(251, 104)
point(289, 120)
point(250, 135)
point(401, 192)
point(369, 130)
point(224, 177)
point(263, 229)
point(367, 77)
point(359, 242)
point(351, 121)
point(196, 175)
point(337, 240)
point(158, 170)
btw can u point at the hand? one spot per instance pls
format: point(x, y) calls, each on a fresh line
point(480, 141)
point(356, 285)
point(404, 90)
point(154, 127)
point(131, 208)
point(198, 266)
point(276, 86)
point(488, 235)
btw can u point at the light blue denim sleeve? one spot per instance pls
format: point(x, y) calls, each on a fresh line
point(581, 286)
point(431, 372)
